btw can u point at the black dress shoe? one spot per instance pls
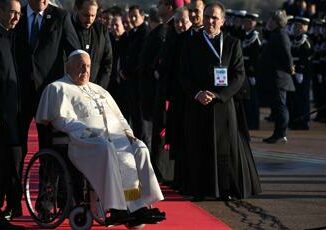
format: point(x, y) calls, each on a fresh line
point(10, 213)
point(146, 216)
point(274, 140)
point(118, 217)
point(5, 225)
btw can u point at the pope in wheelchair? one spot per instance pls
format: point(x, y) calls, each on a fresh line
point(102, 145)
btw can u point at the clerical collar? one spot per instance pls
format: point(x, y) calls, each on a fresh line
point(136, 28)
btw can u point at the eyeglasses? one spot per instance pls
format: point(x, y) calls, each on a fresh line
point(16, 13)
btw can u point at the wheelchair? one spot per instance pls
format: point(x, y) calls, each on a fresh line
point(49, 183)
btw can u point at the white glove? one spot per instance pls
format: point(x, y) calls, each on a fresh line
point(252, 81)
point(156, 75)
point(319, 78)
point(299, 77)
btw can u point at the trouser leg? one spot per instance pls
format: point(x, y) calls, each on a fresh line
point(13, 179)
point(282, 114)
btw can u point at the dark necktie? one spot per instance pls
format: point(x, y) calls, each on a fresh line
point(34, 30)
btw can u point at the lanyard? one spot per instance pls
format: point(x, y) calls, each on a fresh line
point(219, 56)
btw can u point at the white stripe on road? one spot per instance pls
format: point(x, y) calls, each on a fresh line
point(301, 157)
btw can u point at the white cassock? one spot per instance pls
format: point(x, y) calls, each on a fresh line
point(120, 172)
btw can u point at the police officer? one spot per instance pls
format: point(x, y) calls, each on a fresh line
point(299, 101)
point(237, 29)
point(251, 47)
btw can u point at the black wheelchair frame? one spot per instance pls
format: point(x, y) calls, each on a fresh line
point(49, 183)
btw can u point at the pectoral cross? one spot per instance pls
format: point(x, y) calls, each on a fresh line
point(99, 108)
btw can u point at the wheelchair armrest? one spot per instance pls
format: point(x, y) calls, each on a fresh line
point(59, 138)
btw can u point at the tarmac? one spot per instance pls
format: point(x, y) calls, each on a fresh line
point(293, 178)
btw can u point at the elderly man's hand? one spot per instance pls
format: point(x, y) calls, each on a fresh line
point(293, 70)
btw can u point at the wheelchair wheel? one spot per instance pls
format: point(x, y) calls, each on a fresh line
point(80, 218)
point(47, 188)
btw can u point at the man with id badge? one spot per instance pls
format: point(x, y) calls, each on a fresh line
point(220, 76)
point(212, 72)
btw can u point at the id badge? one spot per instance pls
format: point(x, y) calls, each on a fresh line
point(220, 76)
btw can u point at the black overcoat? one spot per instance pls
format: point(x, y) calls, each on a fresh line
point(276, 61)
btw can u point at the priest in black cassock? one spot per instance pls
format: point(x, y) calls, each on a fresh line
point(10, 145)
point(219, 158)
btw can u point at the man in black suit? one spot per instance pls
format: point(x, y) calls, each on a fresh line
point(45, 35)
point(95, 40)
point(277, 67)
point(10, 150)
point(218, 156)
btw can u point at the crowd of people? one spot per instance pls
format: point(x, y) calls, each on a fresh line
point(194, 69)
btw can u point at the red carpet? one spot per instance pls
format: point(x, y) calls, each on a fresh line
point(181, 214)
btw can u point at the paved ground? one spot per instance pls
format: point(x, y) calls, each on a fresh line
point(293, 178)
